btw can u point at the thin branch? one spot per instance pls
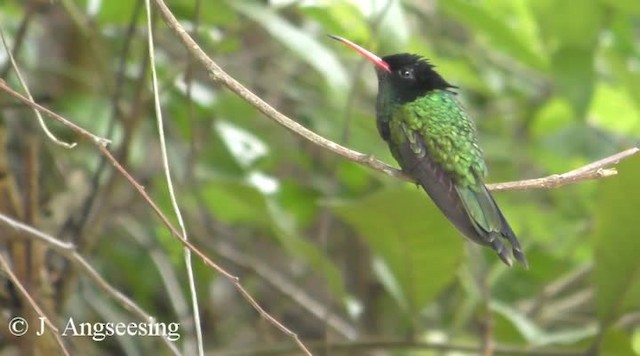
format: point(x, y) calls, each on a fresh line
point(595, 170)
point(101, 145)
point(188, 260)
point(81, 131)
point(56, 244)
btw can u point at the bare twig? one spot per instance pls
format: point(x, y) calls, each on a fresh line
point(595, 170)
point(56, 244)
point(188, 260)
point(94, 138)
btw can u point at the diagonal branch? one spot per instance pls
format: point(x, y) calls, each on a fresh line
point(595, 170)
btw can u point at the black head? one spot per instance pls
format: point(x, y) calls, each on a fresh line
point(409, 76)
point(404, 76)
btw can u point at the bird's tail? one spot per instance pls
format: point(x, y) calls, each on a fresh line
point(489, 223)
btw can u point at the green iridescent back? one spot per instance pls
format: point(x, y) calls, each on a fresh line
point(438, 122)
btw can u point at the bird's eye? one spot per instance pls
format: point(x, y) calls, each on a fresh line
point(406, 73)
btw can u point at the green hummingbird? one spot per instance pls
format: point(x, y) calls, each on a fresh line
point(433, 139)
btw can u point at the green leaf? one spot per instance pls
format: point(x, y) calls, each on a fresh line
point(494, 29)
point(240, 203)
point(234, 202)
point(554, 115)
point(564, 23)
point(616, 342)
point(616, 243)
point(115, 12)
point(619, 63)
point(390, 282)
point(210, 12)
point(418, 245)
point(245, 147)
point(462, 74)
point(625, 6)
point(339, 18)
point(573, 71)
point(537, 336)
point(286, 231)
point(12, 12)
point(613, 109)
point(393, 27)
point(297, 41)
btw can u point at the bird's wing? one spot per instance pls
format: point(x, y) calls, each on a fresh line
point(410, 150)
point(441, 153)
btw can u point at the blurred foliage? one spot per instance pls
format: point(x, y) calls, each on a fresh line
point(552, 85)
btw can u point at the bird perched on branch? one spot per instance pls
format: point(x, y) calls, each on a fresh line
point(434, 141)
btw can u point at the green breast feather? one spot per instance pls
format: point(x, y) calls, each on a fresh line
point(446, 132)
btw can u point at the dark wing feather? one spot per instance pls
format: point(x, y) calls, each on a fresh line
point(473, 211)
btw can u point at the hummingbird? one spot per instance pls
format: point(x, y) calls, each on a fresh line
point(434, 141)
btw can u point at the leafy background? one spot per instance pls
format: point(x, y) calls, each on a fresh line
point(339, 253)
